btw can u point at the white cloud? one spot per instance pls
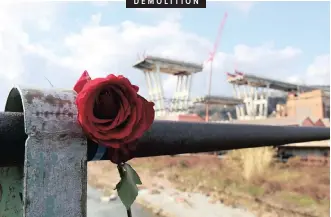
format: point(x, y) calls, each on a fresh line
point(103, 49)
point(319, 71)
point(95, 19)
point(244, 7)
point(12, 38)
point(14, 18)
point(144, 9)
point(265, 55)
point(162, 13)
point(100, 3)
point(44, 25)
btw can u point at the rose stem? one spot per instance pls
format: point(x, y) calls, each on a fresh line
point(128, 211)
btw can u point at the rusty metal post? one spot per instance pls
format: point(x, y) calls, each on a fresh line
point(52, 181)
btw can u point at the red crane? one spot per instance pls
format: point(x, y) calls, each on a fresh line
point(211, 58)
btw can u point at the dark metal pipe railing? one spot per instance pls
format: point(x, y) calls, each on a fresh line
point(170, 138)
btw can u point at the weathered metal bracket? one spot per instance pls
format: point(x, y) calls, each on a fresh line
point(54, 179)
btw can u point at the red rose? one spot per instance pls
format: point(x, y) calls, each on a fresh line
point(111, 112)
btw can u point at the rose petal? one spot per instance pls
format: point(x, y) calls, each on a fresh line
point(91, 86)
point(136, 132)
point(85, 102)
point(107, 104)
point(84, 78)
point(119, 118)
point(112, 143)
point(88, 109)
point(147, 118)
point(124, 110)
point(85, 99)
point(123, 131)
point(136, 88)
point(140, 127)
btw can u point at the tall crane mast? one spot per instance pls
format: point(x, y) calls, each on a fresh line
point(211, 58)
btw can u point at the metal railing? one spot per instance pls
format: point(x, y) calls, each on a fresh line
point(46, 151)
point(171, 138)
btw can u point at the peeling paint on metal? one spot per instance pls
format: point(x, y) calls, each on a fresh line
point(57, 106)
point(55, 159)
point(11, 186)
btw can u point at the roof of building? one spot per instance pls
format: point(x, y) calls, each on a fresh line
point(308, 122)
point(325, 121)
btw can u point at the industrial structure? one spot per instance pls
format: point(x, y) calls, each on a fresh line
point(255, 92)
point(180, 102)
point(255, 102)
point(222, 102)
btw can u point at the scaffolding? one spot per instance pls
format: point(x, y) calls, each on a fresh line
point(153, 67)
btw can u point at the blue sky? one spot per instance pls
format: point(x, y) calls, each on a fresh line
point(284, 40)
point(288, 23)
point(300, 24)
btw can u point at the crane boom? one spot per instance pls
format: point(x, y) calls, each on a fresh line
point(211, 58)
point(218, 37)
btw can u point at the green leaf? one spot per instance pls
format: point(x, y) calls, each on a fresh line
point(131, 172)
point(127, 187)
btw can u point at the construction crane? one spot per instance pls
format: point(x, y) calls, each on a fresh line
point(211, 58)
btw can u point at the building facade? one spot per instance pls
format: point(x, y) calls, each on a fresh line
point(314, 104)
